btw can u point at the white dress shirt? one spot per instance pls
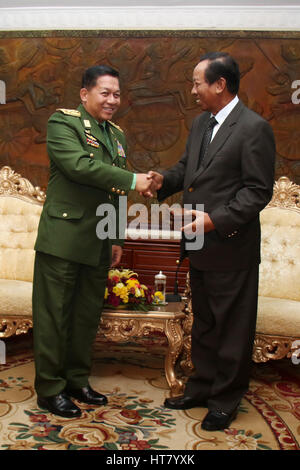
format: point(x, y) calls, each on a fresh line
point(222, 115)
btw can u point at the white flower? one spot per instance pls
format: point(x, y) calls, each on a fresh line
point(241, 442)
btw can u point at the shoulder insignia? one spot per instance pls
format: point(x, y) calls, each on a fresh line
point(115, 125)
point(70, 112)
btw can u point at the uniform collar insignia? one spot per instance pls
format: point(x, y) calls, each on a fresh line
point(87, 123)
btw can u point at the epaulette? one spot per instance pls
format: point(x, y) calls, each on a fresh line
point(70, 112)
point(115, 125)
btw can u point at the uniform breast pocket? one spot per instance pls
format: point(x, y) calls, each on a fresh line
point(65, 211)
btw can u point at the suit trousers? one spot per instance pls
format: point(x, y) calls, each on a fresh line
point(67, 304)
point(225, 310)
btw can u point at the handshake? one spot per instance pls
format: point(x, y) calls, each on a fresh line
point(148, 183)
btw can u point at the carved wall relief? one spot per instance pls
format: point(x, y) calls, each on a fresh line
point(43, 73)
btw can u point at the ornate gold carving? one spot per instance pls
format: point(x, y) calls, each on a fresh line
point(14, 326)
point(121, 326)
point(174, 334)
point(126, 34)
point(12, 184)
point(272, 347)
point(156, 70)
point(119, 330)
point(186, 361)
point(286, 194)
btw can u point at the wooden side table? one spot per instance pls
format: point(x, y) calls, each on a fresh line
point(124, 325)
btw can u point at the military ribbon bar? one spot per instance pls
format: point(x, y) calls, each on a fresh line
point(121, 151)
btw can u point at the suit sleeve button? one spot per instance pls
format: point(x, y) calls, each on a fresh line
point(191, 189)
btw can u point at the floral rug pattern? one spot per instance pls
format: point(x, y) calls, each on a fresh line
point(135, 419)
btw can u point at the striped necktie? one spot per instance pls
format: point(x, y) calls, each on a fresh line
point(206, 139)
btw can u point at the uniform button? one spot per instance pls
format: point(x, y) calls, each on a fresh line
point(118, 191)
point(91, 155)
point(65, 214)
point(113, 164)
point(122, 192)
point(191, 189)
point(113, 190)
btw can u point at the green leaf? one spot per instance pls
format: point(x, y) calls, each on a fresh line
point(24, 436)
point(153, 441)
point(73, 447)
point(53, 436)
point(110, 446)
point(262, 446)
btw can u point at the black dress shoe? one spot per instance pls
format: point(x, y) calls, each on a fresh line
point(218, 420)
point(182, 403)
point(87, 395)
point(59, 405)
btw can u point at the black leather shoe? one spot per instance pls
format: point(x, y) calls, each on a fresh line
point(218, 420)
point(182, 403)
point(59, 405)
point(87, 395)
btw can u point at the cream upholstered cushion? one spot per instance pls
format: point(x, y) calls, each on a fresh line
point(16, 297)
point(278, 317)
point(280, 266)
point(18, 230)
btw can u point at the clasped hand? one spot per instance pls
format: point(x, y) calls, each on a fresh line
point(147, 184)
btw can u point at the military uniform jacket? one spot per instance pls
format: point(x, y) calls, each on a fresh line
point(234, 182)
point(83, 175)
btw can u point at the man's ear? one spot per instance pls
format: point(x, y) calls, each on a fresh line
point(83, 95)
point(220, 85)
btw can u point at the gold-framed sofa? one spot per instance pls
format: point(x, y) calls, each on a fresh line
point(20, 208)
point(278, 324)
point(278, 320)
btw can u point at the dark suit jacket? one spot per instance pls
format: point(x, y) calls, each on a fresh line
point(235, 182)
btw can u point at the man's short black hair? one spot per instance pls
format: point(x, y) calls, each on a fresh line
point(91, 75)
point(221, 64)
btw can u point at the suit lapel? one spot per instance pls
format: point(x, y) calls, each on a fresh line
point(196, 146)
point(219, 140)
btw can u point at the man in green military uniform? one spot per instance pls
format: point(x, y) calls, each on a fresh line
point(87, 155)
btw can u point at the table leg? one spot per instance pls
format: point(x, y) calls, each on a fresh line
point(174, 335)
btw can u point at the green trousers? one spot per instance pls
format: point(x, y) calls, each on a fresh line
point(67, 304)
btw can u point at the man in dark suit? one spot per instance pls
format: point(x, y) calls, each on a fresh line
point(228, 166)
point(87, 155)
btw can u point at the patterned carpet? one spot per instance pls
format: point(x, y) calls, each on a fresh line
point(134, 419)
